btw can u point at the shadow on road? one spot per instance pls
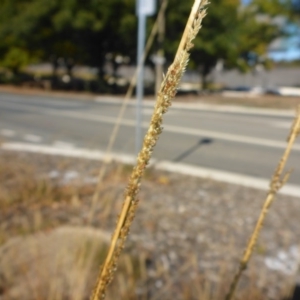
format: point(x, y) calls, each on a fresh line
point(201, 142)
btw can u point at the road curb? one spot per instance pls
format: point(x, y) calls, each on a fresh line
point(218, 175)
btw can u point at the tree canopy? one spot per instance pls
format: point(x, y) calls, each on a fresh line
point(81, 30)
point(86, 31)
point(236, 35)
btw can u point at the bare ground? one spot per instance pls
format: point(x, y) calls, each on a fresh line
point(190, 231)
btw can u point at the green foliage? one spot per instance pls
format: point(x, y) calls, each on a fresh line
point(86, 31)
point(230, 33)
point(15, 59)
point(82, 30)
point(271, 7)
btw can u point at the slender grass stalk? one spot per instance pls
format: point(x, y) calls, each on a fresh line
point(165, 95)
point(276, 184)
point(107, 157)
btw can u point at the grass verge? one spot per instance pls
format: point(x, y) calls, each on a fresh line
point(182, 217)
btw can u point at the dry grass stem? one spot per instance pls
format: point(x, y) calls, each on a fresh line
point(277, 181)
point(107, 158)
point(165, 95)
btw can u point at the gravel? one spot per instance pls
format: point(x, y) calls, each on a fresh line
point(185, 225)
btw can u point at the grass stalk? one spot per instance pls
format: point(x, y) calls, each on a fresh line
point(276, 184)
point(107, 157)
point(166, 93)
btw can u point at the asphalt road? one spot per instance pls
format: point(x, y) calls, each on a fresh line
point(244, 143)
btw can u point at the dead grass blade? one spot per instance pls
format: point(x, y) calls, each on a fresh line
point(127, 97)
point(165, 95)
point(277, 181)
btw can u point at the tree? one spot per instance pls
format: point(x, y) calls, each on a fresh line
point(230, 33)
point(77, 31)
point(15, 59)
point(87, 31)
point(14, 53)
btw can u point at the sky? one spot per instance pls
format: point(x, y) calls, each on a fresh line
point(288, 47)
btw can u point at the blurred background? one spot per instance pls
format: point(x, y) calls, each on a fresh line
point(91, 45)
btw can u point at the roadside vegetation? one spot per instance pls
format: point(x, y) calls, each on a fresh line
point(185, 242)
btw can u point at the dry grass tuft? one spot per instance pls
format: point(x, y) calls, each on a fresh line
point(166, 93)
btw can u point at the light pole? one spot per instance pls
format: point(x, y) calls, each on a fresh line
point(144, 8)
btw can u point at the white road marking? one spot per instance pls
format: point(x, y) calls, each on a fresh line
point(231, 137)
point(8, 132)
point(229, 177)
point(185, 130)
point(281, 124)
point(75, 152)
point(48, 100)
point(32, 138)
point(62, 144)
point(233, 178)
point(149, 112)
point(200, 106)
point(171, 128)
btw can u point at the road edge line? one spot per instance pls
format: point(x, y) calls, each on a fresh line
point(184, 169)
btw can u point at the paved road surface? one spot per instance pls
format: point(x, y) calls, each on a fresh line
point(249, 144)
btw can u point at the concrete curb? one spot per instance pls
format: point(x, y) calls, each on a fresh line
point(218, 175)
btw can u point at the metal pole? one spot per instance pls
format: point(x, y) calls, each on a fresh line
point(140, 81)
point(160, 52)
